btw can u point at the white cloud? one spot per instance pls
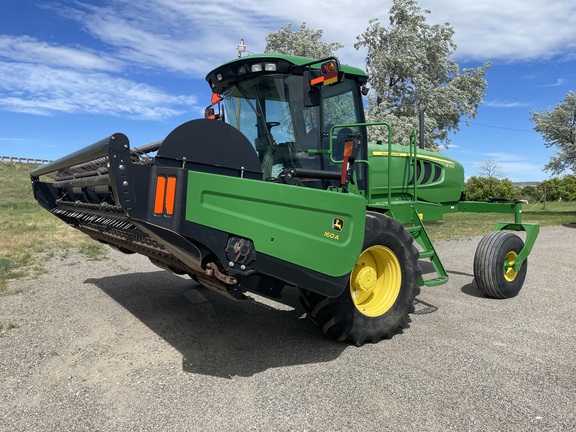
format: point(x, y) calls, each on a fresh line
point(559, 82)
point(170, 35)
point(43, 90)
point(190, 38)
point(505, 104)
point(195, 36)
point(30, 50)
point(509, 30)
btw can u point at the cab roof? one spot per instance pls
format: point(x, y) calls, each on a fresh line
point(244, 67)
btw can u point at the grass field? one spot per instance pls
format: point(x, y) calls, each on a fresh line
point(29, 234)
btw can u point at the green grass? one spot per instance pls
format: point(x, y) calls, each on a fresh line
point(28, 233)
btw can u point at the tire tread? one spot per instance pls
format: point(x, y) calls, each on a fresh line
point(488, 261)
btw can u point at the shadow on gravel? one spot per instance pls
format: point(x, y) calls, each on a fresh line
point(459, 273)
point(472, 290)
point(217, 336)
point(426, 267)
point(423, 308)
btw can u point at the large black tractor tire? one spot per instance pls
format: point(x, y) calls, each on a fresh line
point(381, 290)
point(495, 255)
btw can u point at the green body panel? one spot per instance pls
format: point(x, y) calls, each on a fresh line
point(439, 179)
point(294, 224)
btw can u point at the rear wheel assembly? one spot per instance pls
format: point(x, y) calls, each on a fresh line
point(381, 289)
point(493, 265)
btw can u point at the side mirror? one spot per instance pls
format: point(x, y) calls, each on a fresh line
point(209, 111)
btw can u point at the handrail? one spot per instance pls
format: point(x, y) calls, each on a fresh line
point(365, 161)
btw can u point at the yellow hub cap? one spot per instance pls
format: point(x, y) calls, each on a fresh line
point(375, 281)
point(509, 272)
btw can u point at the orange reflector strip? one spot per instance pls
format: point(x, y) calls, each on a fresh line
point(317, 80)
point(160, 191)
point(170, 195)
point(327, 79)
point(348, 148)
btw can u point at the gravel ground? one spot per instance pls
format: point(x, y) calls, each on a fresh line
point(122, 345)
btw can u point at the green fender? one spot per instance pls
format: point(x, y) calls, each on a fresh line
point(317, 229)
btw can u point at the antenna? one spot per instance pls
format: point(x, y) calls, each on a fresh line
point(241, 48)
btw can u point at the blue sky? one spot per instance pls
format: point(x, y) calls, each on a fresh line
point(72, 73)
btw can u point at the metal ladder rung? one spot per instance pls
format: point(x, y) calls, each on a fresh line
point(427, 254)
point(440, 280)
point(420, 234)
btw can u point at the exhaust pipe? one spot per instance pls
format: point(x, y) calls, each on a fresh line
point(421, 126)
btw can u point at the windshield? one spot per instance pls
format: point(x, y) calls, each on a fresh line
point(270, 112)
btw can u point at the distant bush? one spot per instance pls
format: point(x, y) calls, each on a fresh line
point(531, 193)
point(559, 188)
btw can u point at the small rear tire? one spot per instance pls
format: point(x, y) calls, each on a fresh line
point(493, 261)
point(381, 290)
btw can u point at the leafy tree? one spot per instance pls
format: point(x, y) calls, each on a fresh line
point(568, 188)
point(484, 188)
point(303, 42)
point(560, 189)
point(558, 129)
point(531, 193)
point(552, 188)
point(409, 66)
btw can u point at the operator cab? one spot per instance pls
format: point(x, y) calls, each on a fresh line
point(293, 117)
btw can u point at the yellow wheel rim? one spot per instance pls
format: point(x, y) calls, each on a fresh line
point(375, 281)
point(509, 272)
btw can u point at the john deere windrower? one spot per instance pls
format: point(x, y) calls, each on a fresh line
point(279, 188)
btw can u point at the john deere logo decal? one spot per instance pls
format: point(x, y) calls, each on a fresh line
point(337, 224)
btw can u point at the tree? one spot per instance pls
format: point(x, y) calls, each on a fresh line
point(410, 67)
point(558, 129)
point(568, 188)
point(531, 193)
point(490, 168)
point(304, 42)
point(560, 188)
point(484, 188)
